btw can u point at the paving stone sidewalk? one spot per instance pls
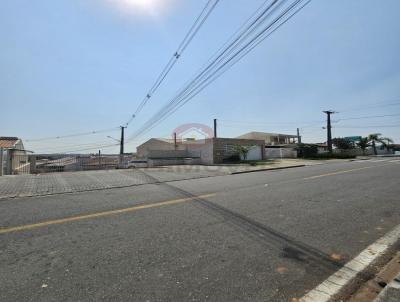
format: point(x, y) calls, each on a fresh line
point(69, 182)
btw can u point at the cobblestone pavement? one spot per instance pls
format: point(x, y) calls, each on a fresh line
point(69, 182)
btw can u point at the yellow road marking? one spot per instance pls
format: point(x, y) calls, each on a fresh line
point(343, 171)
point(100, 214)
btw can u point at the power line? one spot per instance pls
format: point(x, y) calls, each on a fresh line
point(369, 126)
point(227, 59)
point(209, 7)
point(86, 149)
point(373, 105)
point(366, 117)
point(271, 123)
point(72, 135)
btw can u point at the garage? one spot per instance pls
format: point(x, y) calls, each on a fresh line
point(254, 153)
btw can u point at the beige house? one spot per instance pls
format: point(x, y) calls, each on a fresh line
point(13, 157)
point(157, 144)
point(271, 139)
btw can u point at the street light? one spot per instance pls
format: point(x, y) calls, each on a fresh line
point(117, 140)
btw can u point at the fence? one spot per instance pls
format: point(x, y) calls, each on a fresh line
point(17, 162)
point(280, 153)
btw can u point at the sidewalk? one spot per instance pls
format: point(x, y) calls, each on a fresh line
point(391, 292)
point(384, 286)
point(12, 186)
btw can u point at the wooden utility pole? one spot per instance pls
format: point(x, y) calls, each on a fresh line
point(215, 128)
point(175, 144)
point(329, 128)
point(298, 136)
point(121, 142)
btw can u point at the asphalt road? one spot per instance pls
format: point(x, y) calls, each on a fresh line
point(263, 236)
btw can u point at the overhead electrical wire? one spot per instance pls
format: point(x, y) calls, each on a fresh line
point(369, 126)
point(367, 117)
point(241, 45)
point(194, 29)
point(372, 106)
point(206, 11)
point(72, 135)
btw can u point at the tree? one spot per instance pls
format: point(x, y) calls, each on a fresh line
point(342, 143)
point(363, 144)
point(375, 138)
point(242, 151)
point(307, 150)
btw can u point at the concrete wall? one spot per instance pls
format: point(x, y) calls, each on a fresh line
point(204, 149)
point(173, 161)
point(168, 154)
point(210, 151)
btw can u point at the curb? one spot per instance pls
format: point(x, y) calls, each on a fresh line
point(267, 169)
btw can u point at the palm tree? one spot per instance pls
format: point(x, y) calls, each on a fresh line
point(376, 138)
point(363, 144)
point(386, 142)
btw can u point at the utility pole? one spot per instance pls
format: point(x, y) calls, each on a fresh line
point(121, 149)
point(175, 141)
point(215, 128)
point(329, 128)
point(1, 161)
point(298, 136)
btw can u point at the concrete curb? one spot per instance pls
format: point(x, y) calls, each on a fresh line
point(266, 169)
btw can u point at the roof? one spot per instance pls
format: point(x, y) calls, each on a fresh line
point(8, 142)
point(263, 135)
point(172, 141)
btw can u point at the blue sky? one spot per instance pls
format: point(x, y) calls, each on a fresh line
point(73, 66)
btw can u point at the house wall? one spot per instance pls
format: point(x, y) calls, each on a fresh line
point(221, 147)
point(270, 138)
point(204, 149)
point(210, 151)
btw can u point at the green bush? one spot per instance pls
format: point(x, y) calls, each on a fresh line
point(307, 151)
point(333, 156)
point(232, 159)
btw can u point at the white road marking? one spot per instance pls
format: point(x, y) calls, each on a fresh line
point(336, 282)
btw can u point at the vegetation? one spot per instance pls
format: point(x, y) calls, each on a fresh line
point(307, 150)
point(333, 156)
point(363, 144)
point(343, 143)
point(375, 138)
point(259, 162)
point(242, 151)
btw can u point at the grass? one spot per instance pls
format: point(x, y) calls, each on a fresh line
point(258, 162)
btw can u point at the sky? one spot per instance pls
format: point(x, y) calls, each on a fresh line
point(77, 66)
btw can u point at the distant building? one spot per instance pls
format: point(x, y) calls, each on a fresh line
point(277, 145)
point(271, 139)
point(15, 159)
point(10, 142)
